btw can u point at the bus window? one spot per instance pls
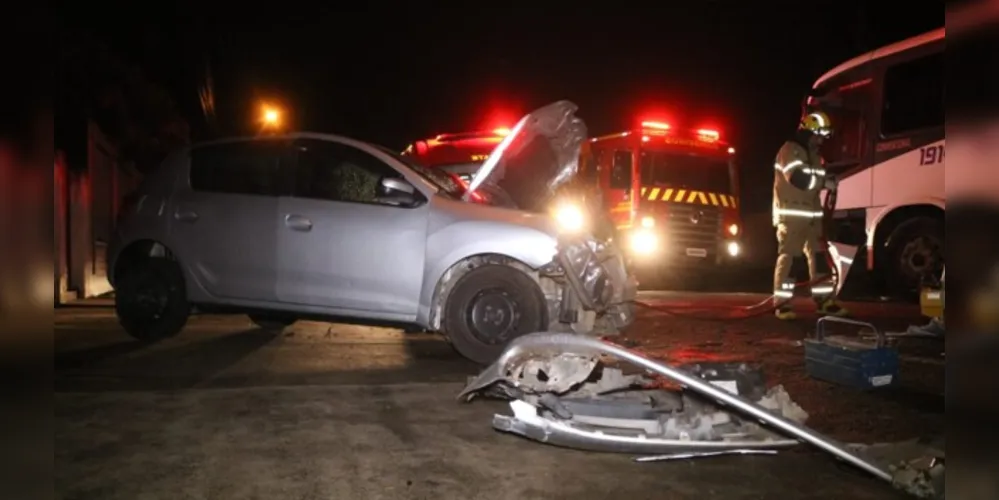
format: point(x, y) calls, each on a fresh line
point(621, 170)
point(846, 145)
point(913, 96)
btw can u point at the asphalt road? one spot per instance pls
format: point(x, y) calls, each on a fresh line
point(333, 411)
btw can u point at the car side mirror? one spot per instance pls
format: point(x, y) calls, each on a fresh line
point(397, 192)
point(394, 187)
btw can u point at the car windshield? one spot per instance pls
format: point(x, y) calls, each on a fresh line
point(687, 171)
point(446, 184)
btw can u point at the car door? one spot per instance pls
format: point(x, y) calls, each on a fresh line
point(340, 246)
point(224, 218)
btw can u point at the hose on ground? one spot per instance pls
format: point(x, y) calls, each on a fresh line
point(769, 304)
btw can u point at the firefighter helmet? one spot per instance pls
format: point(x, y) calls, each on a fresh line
point(817, 122)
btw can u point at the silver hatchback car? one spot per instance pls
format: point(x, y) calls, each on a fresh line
point(316, 226)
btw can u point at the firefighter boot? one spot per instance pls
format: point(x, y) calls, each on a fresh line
point(785, 312)
point(829, 307)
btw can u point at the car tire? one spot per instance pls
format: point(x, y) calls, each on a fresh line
point(271, 322)
point(490, 306)
point(914, 249)
point(151, 300)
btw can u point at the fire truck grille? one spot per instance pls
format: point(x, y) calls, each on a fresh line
point(690, 226)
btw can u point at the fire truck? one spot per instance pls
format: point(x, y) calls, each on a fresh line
point(457, 154)
point(672, 194)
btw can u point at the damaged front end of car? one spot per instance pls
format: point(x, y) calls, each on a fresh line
point(587, 285)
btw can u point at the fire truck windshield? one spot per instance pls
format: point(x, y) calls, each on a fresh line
point(688, 171)
point(447, 185)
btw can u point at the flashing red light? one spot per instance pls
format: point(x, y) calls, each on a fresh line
point(708, 134)
point(465, 184)
point(502, 131)
point(656, 125)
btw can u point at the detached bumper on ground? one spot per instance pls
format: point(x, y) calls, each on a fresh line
point(563, 393)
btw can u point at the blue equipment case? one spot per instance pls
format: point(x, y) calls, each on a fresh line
point(851, 361)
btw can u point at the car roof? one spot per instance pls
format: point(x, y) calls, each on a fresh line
point(286, 136)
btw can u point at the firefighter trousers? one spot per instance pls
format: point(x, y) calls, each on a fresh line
point(797, 239)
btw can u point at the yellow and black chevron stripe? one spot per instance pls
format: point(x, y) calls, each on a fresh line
point(689, 196)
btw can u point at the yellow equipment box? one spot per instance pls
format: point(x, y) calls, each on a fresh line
point(931, 302)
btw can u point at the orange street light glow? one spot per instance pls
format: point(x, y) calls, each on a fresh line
point(271, 116)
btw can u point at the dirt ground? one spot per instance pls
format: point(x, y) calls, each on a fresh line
point(324, 411)
point(914, 408)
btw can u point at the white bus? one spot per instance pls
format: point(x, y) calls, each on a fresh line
point(888, 150)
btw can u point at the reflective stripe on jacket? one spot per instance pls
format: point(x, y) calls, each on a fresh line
point(798, 179)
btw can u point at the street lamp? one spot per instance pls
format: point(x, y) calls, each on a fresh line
point(271, 117)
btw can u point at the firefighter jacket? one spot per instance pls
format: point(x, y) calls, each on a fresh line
point(799, 176)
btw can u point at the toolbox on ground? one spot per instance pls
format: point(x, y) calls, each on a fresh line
point(851, 360)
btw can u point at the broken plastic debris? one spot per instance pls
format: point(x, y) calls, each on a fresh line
point(701, 454)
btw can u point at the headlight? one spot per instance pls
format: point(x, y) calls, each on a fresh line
point(733, 229)
point(733, 248)
point(648, 221)
point(570, 217)
point(644, 241)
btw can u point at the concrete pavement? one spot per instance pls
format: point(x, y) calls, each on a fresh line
point(334, 411)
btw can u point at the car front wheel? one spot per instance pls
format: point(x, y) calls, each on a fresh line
point(151, 301)
point(489, 307)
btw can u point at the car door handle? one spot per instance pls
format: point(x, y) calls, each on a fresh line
point(298, 223)
point(186, 216)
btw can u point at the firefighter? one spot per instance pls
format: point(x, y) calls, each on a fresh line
point(798, 217)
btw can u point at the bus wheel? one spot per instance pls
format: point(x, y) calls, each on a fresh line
point(914, 256)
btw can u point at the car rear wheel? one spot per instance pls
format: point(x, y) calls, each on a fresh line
point(151, 300)
point(271, 322)
point(489, 307)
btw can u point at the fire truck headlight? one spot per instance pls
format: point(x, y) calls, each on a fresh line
point(644, 241)
point(733, 229)
point(648, 221)
point(733, 248)
point(570, 218)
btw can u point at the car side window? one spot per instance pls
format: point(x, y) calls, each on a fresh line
point(337, 172)
point(621, 170)
point(249, 167)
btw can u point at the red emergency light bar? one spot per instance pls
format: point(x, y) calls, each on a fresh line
point(490, 134)
point(656, 125)
point(708, 134)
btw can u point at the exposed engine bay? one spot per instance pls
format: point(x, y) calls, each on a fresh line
point(588, 286)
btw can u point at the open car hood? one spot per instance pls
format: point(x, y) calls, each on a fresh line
point(540, 154)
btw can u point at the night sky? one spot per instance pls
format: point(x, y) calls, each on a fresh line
point(394, 73)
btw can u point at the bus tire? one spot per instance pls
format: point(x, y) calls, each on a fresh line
point(490, 306)
point(914, 254)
